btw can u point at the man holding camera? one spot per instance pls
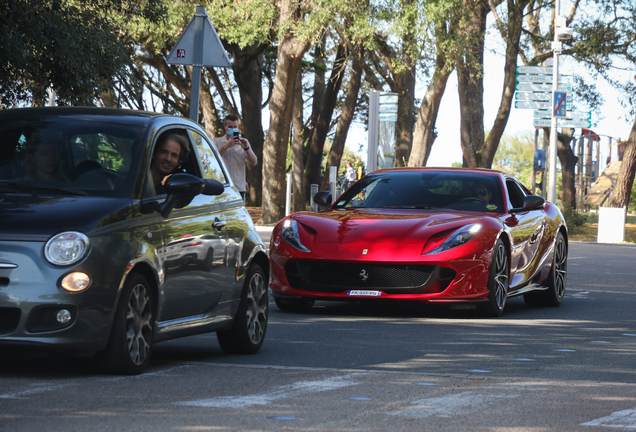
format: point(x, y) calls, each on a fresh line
point(235, 150)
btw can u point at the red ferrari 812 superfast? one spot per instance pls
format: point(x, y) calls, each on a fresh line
point(436, 235)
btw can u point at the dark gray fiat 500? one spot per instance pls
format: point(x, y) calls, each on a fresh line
point(96, 256)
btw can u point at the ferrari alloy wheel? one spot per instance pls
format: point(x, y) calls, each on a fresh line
point(497, 281)
point(294, 305)
point(250, 324)
point(553, 295)
point(130, 346)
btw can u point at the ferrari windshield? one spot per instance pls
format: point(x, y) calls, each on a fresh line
point(68, 156)
point(425, 190)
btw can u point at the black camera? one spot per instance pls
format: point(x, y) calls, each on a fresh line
point(237, 135)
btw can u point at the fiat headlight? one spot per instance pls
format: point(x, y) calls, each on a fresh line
point(458, 238)
point(66, 248)
point(289, 233)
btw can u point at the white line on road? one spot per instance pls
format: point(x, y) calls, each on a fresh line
point(625, 419)
point(293, 390)
point(40, 388)
point(451, 405)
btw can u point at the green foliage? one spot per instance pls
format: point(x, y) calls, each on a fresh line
point(72, 45)
point(515, 155)
point(572, 217)
point(242, 23)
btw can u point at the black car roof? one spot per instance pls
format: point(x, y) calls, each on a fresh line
point(124, 115)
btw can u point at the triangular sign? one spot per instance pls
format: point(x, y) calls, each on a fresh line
point(212, 52)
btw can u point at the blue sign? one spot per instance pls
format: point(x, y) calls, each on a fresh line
point(539, 160)
point(559, 104)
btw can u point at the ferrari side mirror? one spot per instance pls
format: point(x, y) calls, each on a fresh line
point(531, 202)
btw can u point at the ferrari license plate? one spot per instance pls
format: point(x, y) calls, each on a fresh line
point(366, 293)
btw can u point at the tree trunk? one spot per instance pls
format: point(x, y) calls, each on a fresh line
point(208, 109)
point(424, 134)
point(290, 54)
point(346, 116)
point(405, 88)
point(314, 156)
point(471, 84)
point(512, 35)
point(621, 194)
point(568, 163)
point(248, 73)
point(298, 167)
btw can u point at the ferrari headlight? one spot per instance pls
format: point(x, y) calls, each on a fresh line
point(289, 233)
point(458, 238)
point(66, 248)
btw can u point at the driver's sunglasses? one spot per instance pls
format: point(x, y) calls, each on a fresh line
point(481, 192)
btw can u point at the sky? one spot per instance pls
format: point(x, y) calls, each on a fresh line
point(446, 148)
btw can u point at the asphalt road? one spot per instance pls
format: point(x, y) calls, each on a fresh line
point(372, 367)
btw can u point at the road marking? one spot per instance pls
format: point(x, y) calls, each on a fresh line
point(41, 388)
point(451, 405)
point(299, 388)
point(625, 419)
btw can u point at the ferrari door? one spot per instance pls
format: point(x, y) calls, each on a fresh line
point(527, 229)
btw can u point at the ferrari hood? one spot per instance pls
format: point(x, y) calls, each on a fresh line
point(378, 226)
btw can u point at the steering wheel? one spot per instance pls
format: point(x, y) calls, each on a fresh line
point(99, 179)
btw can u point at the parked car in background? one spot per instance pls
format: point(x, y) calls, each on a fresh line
point(94, 259)
point(436, 235)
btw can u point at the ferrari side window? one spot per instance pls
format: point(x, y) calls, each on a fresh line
point(515, 194)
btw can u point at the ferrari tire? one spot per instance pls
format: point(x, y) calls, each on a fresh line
point(497, 281)
point(250, 324)
point(553, 296)
point(294, 305)
point(130, 345)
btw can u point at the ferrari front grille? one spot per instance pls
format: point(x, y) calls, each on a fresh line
point(320, 276)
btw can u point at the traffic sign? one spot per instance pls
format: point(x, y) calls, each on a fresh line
point(388, 98)
point(563, 123)
point(539, 70)
point(536, 96)
point(542, 87)
point(559, 104)
point(574, 123)
point(388, 108)
point(536, 105)
point(199, 44)
point(563, 79)
point(391, 117)
point(582, 115)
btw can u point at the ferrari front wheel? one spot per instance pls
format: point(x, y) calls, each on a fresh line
point(497, 281)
